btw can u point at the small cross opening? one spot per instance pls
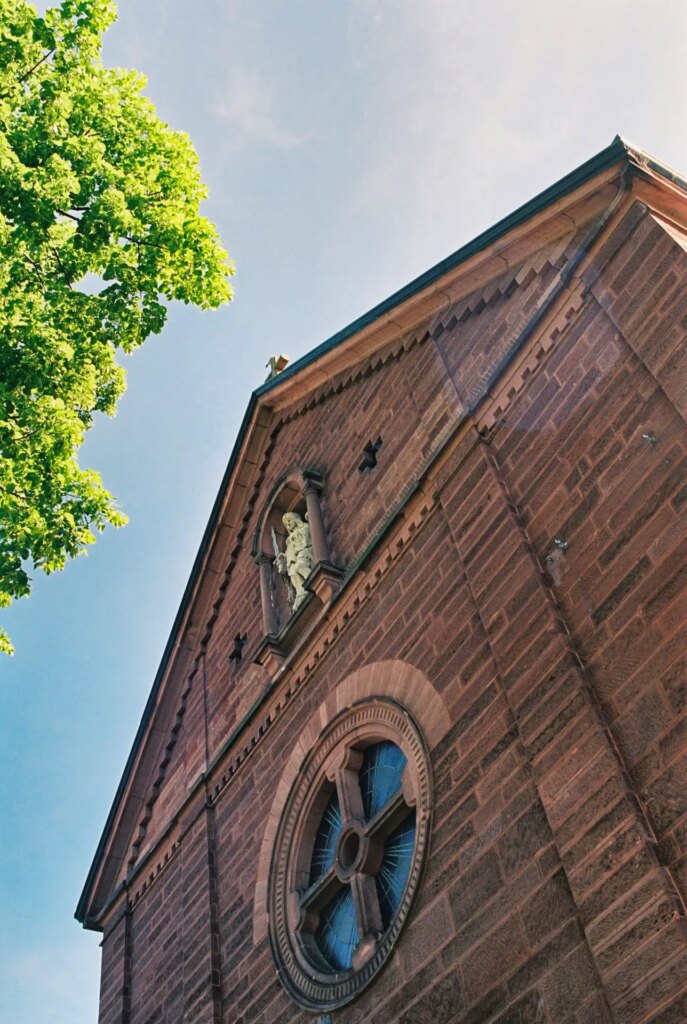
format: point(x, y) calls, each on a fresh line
point(237, 651)
point(369, 460)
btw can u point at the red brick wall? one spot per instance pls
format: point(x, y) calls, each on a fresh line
point(553, 889)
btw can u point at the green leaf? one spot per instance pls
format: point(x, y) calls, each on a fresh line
point(92, 182)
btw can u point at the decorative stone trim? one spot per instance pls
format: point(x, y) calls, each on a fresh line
point(155, 872)
point(303, 663)
point(380, 359)
point(160, 778)
point(537, 265)
point(368, 721)
point(128, 893)
point(460, 310)
point(471, 305)
point(495, 405)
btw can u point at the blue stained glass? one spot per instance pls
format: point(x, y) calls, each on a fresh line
point(337, 933)
point(337, 936)
point(326, 839)
point(395, 868)
point(380, 775)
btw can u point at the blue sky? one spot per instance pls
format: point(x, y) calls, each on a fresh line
point(347, 147)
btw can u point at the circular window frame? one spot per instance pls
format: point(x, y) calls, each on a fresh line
point(305, 975)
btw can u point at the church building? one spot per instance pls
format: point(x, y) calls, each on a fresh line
point(416, 752)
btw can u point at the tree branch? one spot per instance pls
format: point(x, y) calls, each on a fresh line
point(37, 269)
point(15, 494)
point(142, 241)
point(38, 63)
point(61, 265)
point(126, 238)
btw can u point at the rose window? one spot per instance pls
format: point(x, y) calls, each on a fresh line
point(361, 856)
point(348, 854)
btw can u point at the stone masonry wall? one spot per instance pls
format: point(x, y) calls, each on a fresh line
point(427, 384)
point(543, 598)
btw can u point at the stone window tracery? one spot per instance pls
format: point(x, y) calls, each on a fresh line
point(348, 854)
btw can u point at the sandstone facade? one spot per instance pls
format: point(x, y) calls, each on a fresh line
point(512, 570)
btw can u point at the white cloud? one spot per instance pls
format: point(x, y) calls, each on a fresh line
point(477, 105)
point(249, 108)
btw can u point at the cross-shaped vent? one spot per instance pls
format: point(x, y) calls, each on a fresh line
point(370, 456)
point(237, 650)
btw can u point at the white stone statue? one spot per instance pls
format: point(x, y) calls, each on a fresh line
point(296, 560)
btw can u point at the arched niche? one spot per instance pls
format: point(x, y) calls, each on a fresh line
point(297, 490)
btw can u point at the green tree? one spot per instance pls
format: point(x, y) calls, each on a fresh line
point(94, 187)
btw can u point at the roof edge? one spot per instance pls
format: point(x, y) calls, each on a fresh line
point(617, 150)
point(82, 906)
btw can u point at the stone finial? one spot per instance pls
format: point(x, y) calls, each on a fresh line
point(275, 365)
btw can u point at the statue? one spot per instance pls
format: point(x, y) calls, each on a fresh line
point(296, 561)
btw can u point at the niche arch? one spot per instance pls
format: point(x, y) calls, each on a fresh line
point(298, 490)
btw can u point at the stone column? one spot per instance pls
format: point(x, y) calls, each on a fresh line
point(269, 617)
point(320, 547)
